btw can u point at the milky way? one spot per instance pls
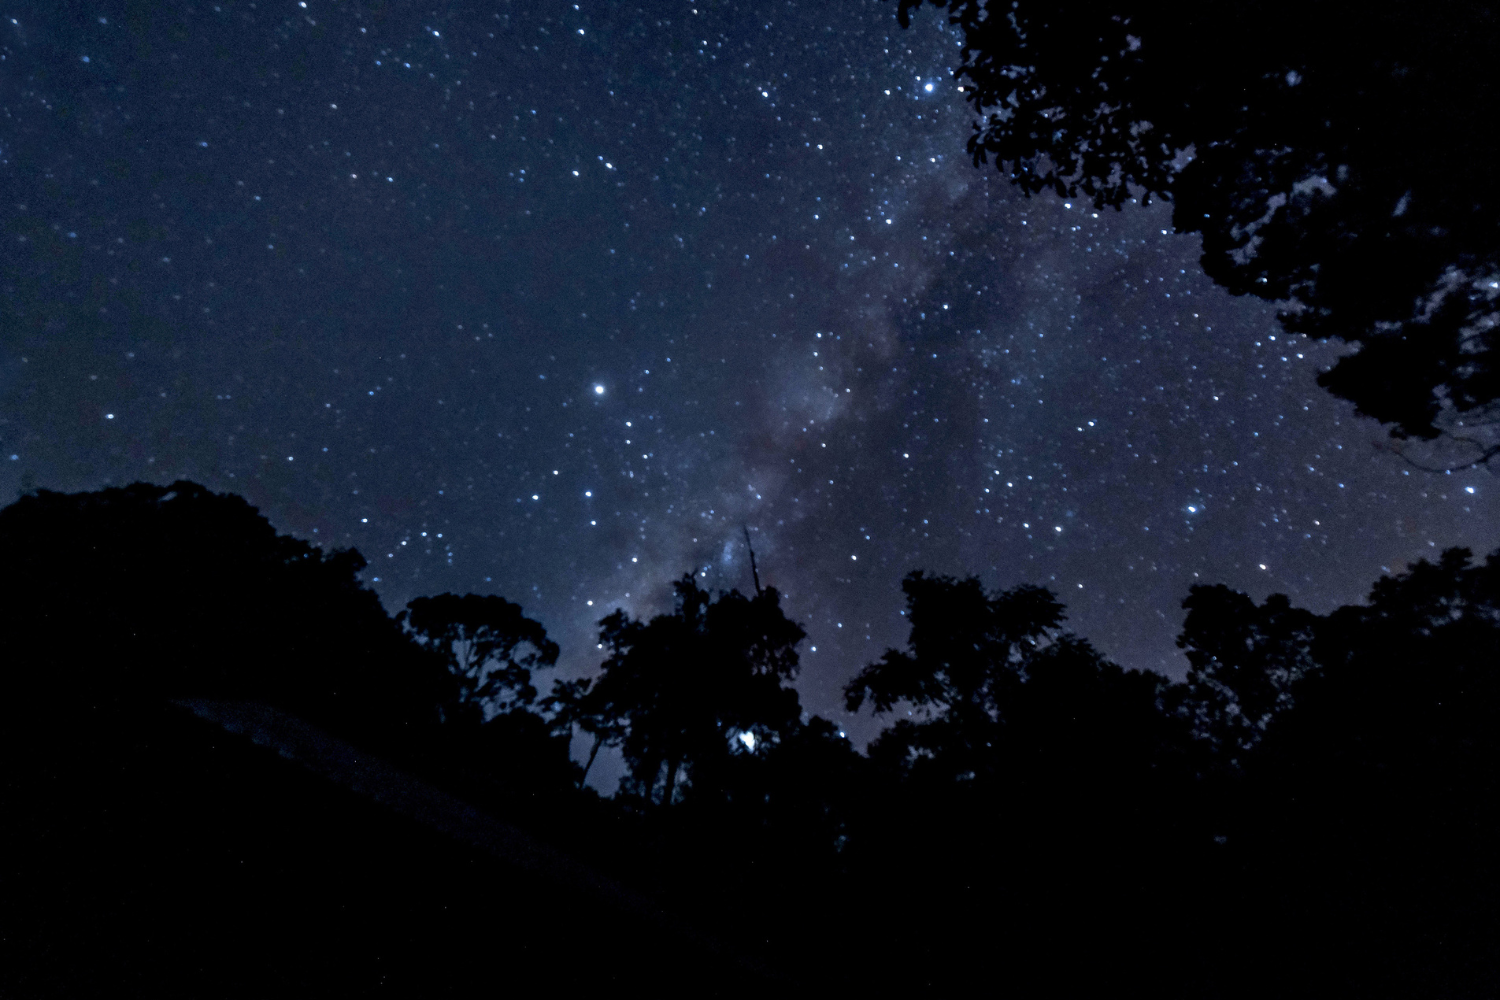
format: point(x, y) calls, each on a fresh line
point(553, 301)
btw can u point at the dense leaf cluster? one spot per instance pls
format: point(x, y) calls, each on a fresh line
point(1336, 161)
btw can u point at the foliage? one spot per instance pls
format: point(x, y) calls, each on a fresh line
point(578, 704)
point(1316, 803)
point(684, 688)
point(1406, 697)
point(1337, 164)
point(150, 590)
point(1244, 663)
point(967, 656)
point(489, 647)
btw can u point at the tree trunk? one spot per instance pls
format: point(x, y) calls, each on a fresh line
point(672, 766)
point(598, 742)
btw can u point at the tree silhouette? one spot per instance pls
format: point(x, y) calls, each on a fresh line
point(1025, 768)
point(967, 654)
point(1337, 164)
point(690, 687)
point(144, 591)
point(1408, 687)
point(1245, 660)
point(1027, 785)
point(1008, 699)
point(577, 703)
point(489, 647)
point(492, 727)
point(1370, 810)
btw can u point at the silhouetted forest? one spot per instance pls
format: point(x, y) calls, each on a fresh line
point(1311, 811)
point(1335, 160)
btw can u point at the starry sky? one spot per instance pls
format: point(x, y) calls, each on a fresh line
point(552, 300)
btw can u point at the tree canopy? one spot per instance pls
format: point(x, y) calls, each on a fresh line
point(1245, 660)
point(175, 590)
point(1335, 161)
point(1005, 695)
point(489, 647)
point(967, 655)
point(1317, 798)
point(692, 687)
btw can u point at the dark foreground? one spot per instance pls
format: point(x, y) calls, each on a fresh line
point(226, 770)
point(158, 854)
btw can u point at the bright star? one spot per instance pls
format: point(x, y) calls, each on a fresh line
point(598, 390)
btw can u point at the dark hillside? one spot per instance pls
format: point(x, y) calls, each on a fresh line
point(157, 854)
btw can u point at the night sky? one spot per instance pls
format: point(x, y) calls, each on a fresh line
point(549, 300)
